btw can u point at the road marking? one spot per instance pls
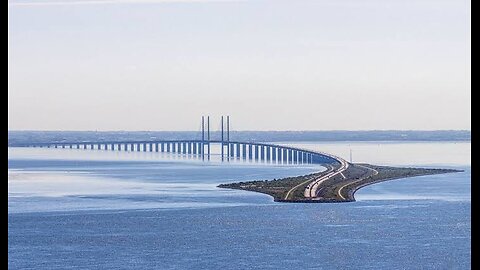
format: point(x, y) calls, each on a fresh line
point(292, 189)
point(314, 185)
point(343, 175)
point(375, 172)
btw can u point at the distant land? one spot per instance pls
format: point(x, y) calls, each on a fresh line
point(259, 136)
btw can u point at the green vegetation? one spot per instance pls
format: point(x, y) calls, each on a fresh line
point(334, 189)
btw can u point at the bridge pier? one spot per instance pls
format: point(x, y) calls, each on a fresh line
point(232, 150)
point(237, 150)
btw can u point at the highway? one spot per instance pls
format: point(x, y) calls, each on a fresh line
point(311, 189)
point(339, 191)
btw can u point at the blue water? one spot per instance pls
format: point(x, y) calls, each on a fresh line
point(98, 210)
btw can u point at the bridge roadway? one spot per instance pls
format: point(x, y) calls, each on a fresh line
point(229, 150)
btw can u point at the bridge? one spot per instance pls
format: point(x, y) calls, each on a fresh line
point(228, 151)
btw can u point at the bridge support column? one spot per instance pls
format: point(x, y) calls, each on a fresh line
point(262, 152)
point(244, 151)
point(250, 150)
point(232, 150)
point(269, 149)
point(256, 151)
point(237, 152)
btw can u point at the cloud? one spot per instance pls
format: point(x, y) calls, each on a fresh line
point(103, 2)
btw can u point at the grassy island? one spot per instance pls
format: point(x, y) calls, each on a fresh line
point(338, 188)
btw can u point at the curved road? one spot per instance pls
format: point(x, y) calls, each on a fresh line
point(339, 191)
point(311, 189)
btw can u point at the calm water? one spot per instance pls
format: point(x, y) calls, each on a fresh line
point(81, 209)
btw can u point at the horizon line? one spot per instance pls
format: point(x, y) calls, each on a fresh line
point(246, 130)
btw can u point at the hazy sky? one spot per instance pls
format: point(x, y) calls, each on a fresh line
point(270, 65)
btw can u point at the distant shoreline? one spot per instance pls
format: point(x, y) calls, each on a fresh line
point(19, 137)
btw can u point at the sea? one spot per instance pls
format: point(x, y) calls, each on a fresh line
point(97, 209)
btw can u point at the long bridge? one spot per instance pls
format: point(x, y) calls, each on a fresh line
point(229, 150)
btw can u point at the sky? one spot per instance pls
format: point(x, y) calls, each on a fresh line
point(269, 64)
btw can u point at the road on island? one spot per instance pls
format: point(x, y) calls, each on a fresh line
point(339, 191)
point(311, 189)
point(330, 168)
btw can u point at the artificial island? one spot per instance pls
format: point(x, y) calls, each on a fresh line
point(336, 184)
